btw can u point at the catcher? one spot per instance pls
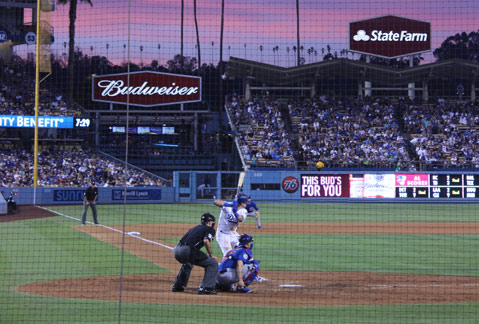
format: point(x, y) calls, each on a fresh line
point(238, 267)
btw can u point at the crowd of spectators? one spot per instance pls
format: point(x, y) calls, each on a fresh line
point(17, 95)
point(68, 168)
point(348, 133)
point(265, 141)
point(360, 132)
point(444, 133)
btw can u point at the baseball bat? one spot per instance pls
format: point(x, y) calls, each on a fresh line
point(240, 182)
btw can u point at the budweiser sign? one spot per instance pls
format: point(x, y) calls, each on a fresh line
point(146, 88)
point(390, 36)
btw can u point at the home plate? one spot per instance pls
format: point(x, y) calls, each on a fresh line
point(133, 233)
point(291, 286)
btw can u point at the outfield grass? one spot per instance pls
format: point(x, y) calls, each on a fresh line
point(287, 212)
point(49, 248)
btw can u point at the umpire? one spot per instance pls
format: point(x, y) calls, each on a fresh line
point(91, 195)
point(187, 252)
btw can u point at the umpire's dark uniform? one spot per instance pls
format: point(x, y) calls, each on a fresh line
point(188, 253)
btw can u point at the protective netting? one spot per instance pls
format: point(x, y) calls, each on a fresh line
point(355, 124)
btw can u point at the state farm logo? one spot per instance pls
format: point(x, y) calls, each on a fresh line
point(146, 88)
point(361, 36)
point(391, 36)
point(290, 184)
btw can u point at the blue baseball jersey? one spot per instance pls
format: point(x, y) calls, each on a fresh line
point(234, 204)
point(251, 206)
point(241, 253)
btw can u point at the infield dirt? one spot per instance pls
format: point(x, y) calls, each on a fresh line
point(319, 288)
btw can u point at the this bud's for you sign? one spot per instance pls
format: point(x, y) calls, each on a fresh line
point(146, 88)
point(324, 186)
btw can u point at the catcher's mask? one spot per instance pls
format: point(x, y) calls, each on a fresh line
point(206, 217)
point(246, 239)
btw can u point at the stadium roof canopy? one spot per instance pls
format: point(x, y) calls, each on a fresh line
point(350, 69)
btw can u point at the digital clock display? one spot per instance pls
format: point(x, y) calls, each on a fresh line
point(81, 122)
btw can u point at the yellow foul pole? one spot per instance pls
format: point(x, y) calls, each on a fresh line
point(37, 97)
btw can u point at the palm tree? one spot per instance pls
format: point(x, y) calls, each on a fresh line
point(159, 54)
point(287, 56)
point(197, 35)
point(297, 28)
point(181, 36)
point(261, 50)
point(221, 35)
point(310, 51)
point(71, 34)
point(276, 49)
point(212, 52)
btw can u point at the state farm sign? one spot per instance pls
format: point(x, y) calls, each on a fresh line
point(146, 88)
point(390, 36)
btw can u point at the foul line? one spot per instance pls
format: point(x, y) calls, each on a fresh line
point(110, 228)
point(115, 230)
point(423, 285)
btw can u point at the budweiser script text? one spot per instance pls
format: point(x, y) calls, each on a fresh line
point(114, 88)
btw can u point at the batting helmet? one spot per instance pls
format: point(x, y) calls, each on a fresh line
point(245, 239)
point(206, 217)
point(242, 199)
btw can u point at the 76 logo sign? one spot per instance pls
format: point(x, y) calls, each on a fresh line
point(290, 184)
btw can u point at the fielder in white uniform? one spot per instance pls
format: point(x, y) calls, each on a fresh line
point(229, 222)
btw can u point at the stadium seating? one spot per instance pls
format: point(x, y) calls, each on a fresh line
point(261, 133)
point(357, 133)
point(17, 95)
point(72, 168)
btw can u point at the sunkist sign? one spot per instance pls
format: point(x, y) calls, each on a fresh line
point(146, 88)
point(390, 36)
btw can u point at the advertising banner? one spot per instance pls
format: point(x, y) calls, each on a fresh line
point(146, 88)
point(68, 195)
point(136, 194)
point(29, 121)
point(390, 36)
point(379, 186)
point(327, 185)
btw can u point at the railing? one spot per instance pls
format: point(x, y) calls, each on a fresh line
point(404, 166)
point(235, 131)
point(167, 182)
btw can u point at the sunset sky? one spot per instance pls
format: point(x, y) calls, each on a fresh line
point(268, 23)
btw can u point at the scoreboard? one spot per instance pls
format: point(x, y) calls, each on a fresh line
point(439, 186)
point(389, 185)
